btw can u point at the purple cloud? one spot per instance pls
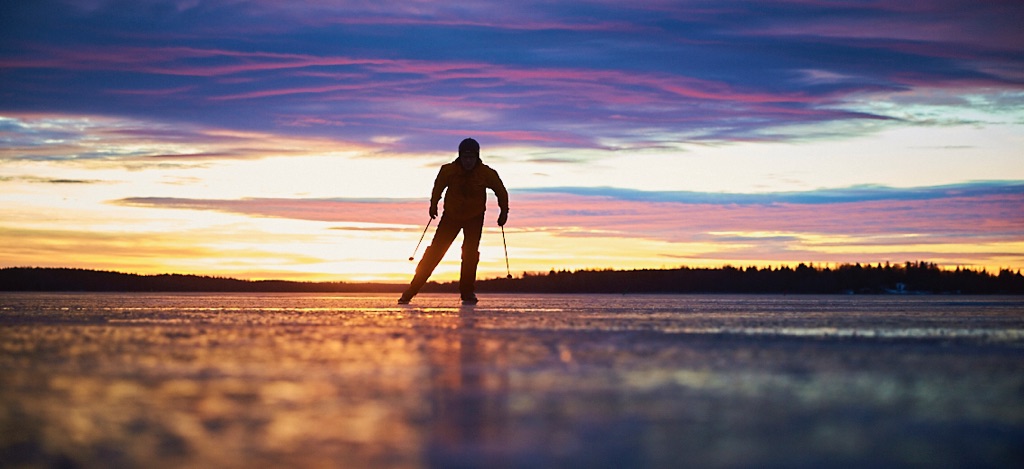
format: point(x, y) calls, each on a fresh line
point(566, 74)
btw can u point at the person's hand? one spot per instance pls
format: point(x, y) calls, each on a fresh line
point(502, 218)
point(433, 212)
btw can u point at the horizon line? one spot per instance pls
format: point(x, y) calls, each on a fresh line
point(818, 266)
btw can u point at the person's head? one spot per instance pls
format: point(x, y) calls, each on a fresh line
point(469, 154)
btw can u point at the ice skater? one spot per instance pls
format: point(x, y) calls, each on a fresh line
point(465, 201)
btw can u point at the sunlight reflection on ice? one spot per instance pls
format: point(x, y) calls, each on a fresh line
point(519, 381)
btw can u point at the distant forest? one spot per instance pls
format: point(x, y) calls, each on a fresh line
point(64, 279)
point(911, 277)
point(908, 278)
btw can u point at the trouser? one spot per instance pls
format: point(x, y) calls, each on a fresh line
point(447, 230)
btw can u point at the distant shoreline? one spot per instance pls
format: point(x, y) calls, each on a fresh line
point(908, 278)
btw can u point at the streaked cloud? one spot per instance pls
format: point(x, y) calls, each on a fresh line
point(42, 137)
point(824, 196)
point(44, 180)
point(853, 225)
point(381, 211)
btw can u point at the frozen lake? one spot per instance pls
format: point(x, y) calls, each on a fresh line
point(298, 380)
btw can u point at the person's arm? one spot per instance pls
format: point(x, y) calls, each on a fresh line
point(499, 190)
point(440, 183)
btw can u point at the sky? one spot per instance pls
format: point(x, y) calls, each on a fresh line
point(299, 140)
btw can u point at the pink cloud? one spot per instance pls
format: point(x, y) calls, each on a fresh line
point(328, 210)
point(957, 217)
point(521, 135)
point(597, 85)
point(952, 230)
point(169, 60)
point(960, 216)
point(153, 92)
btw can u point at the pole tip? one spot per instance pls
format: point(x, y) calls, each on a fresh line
point(410, 258)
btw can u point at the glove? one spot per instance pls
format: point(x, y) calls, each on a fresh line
point(502, 217)
point(433, 212)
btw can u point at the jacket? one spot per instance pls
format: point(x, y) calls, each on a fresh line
point(466, 196)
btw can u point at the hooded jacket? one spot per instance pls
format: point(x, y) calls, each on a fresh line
point(466, 196)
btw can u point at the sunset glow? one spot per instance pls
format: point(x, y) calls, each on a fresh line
point(299, 140)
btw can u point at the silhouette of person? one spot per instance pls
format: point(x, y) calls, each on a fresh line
point(464, 183)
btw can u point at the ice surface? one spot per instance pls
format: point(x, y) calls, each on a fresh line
point(290, 380)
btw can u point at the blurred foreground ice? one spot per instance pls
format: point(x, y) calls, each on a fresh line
point(279, 380)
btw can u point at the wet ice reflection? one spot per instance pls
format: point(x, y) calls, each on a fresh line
point(606, 381)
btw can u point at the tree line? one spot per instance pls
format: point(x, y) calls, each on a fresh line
point(910, 277)
point(66, 279)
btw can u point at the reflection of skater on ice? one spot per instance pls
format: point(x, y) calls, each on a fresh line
point(465, 201)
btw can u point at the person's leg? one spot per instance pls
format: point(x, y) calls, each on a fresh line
point(471, 232)
point(443, 237)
